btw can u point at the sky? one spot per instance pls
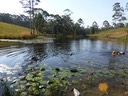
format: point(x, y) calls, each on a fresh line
point(88, 10)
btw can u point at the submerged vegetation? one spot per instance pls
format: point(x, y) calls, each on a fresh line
point(35, 80)
point(41, 80)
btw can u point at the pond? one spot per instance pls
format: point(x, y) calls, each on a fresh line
point(65, 53)
point(93, 55)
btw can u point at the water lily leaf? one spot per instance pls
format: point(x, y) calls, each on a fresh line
point(57, 69)
point(29, 67)
point(39, 74)
point(50, 82)
point(36, 92)
point(42, 69)
point(74, 82)
point(42, 82)
point(29, 77)
point(23, 82)
point(28, 84)
point(21, 77)
point(31, 88)
point(23, 94)
point(85, 86)
point(74, 70)
point(17, 90)
point(36, 78)
point(22, 87)
point(34, 84)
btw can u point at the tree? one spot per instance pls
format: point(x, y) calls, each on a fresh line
point(29, 5)
point(106, 24)
point(94, 27)
point(80, 22)
point(39, 22)
point(118, 13)
point(20, 20)
point(67, 22)
point(126, 6)
point(68, 12)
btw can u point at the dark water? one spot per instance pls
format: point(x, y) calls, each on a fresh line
point(65, 53)
point(90, 54)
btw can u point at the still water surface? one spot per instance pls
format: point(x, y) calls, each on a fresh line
point(65, 53)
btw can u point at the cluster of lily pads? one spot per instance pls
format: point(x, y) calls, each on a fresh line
point(35, 80)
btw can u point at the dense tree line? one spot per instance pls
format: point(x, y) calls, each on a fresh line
point(20, 20)
point(58, 25)
point(54, 24)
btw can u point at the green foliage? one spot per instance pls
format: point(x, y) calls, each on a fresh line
point(35, 82)
point(118, 13)
point(42, 69)
point(74, 70)
point(39, 22)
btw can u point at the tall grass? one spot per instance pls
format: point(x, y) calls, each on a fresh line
point(10, 31)
point(119, 33)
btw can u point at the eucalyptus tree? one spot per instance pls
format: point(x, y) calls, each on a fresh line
point(94, 27)
point(106, 24)
point(126, 7)
point(39, 22)
point(78, 26)
point(68, 12)
point(118, 13)
point(51, 23)
point(58, 24)
point(29, 6)
point(44, 13)
point(67, 22)
point(80, 22)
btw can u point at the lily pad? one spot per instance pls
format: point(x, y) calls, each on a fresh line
point(74, 70)
point(42, 69)
point(57, 69)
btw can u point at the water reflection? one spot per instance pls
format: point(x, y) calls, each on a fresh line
point(65, 53)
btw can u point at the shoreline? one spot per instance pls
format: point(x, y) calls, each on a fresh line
point(37, 40)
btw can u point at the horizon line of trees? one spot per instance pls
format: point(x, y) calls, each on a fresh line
point(44, 22)
point(20, 20)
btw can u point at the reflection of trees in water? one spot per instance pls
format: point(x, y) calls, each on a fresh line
point(39, 52)
point(121, 46)
point(35, 51)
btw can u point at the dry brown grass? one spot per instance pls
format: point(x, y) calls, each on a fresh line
point(11, 31)
point(119, 33)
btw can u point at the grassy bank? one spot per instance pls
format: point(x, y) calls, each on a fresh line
point(119, 33)
point(10, 31)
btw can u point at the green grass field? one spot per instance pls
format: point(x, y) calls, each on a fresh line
point(10, 31)
point(119, 33)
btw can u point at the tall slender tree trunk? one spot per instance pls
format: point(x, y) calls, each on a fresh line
point(30, 15)
point(33, 17)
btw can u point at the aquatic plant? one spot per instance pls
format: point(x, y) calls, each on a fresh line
point(37, 80)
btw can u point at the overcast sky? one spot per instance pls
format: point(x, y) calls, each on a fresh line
point(88, 10)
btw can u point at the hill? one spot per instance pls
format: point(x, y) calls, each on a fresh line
point(10, 31)
point(119, 33)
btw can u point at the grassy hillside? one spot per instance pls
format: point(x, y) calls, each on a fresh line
point(120, 33)
point(11, 31)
